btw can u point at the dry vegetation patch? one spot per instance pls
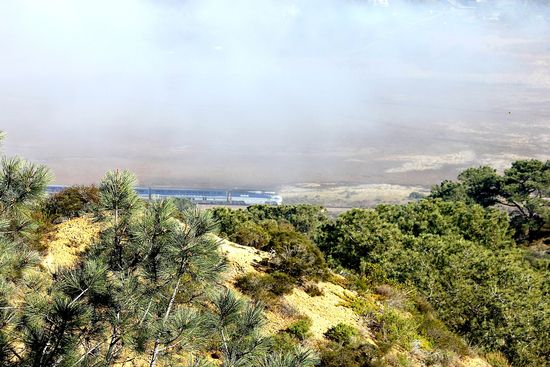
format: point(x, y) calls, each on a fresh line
point(70, 239)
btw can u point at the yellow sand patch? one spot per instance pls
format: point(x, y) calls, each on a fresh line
point(474, 362)
point(241, 258)
point(71, 238)
point(325, 311)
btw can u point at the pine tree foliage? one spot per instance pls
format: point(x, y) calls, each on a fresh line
point(524, 188)
point(300, 357)
point(22, 184)
point(119, 203)
point(241, 343)
point(190, 257)
point(238, 327)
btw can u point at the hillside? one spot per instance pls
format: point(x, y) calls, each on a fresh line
point(332, 307)
point(449, 280)
point(325, 311)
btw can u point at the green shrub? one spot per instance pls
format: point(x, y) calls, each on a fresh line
point(296, 255)
point(305, 218)
point(341, 333)
point(313, 290)
point(497, 359)
point(300, 329)
point(265, 287)
point(336, 355)
point(44, 231)
point(283, 342)
point(249, 283)
point(278, 283)
point(250, 234)
point(360, 305)
point(460, 257)
point(71, 202)
point(394, 329)
point(436, 331)
point(228, 219)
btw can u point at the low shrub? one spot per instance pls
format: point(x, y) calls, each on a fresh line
point(313, 290)
point(336, 355)
point(437, 332)
point(71, 202)
point(300, 329)
point(283, 342)
point(497, 359)
point(360, 305)
point(392, 329)
point(251, 234)
point(279, 283)
point(342, 334)
point(295, 254)
point(43, 231)
point(265, 287)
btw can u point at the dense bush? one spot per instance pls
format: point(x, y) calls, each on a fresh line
point(358, 237)
point(265, 287)
point(296, 254)
point(300, 329)
point(283, 342)
point(313, 290)
point(437, 332)
point(488, 227)
point(71, 202)
point(337, 355)
point(462, 258)
point(251, 234)
point(43, 230)
point(342, 334)
point(394, 329)
point(306, 219)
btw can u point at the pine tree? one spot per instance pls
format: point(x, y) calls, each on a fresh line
point(22, 185)
point(119, 202)
point(242, 343)
point(189, 256)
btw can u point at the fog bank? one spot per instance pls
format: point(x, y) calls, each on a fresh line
point(263, 93)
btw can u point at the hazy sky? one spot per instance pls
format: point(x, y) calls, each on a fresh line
point(268, 92)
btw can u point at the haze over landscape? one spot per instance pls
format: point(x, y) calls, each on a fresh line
point(270, 93)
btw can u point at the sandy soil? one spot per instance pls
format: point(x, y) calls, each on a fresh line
point(71, 238)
